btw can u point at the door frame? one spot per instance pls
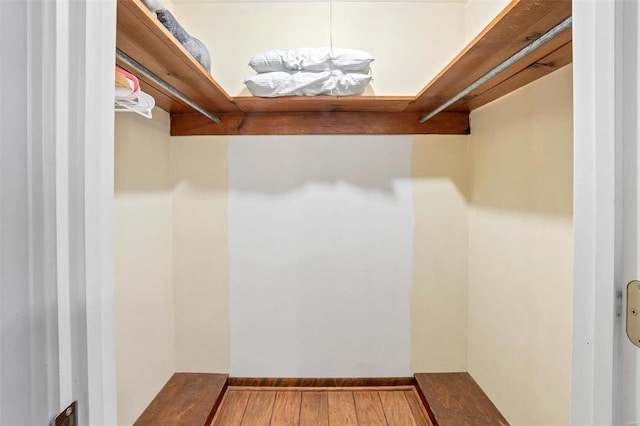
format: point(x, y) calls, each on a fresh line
point(598, 212)
point(80, 91)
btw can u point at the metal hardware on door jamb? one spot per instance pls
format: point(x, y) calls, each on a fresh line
point(633, 312)
point(68, 416)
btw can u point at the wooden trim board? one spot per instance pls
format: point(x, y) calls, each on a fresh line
point(320, 123)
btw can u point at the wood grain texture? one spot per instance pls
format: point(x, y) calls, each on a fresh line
point(337, 406)
point(552, 62)
point(319, 123)
point(259, 409)
point(418, 410)
point(530, 61)
point(186, 399)
point(342, 409)
point(314, 410)
point(521, 22)
point(141, 36)
point(234, 403)
point(286, 409)
point(369, 408)
point(323, 103)
point(456, 399)
point(321, 382)
point(396, 409)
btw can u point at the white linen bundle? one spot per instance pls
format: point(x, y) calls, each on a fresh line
point(309, 72)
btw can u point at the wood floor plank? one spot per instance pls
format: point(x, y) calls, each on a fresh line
point(286, 409)
point(232, 409)
point(369, 408)
point(342, 409)
point(417, 409)
point(314, 410)
point(396, 408)
point(259, 408)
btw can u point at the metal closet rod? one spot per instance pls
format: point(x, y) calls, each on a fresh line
point(140, 69)
point(546, 37)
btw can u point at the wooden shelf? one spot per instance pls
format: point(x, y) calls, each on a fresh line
point(521, 22)
point(324, 103)
point(141, 36)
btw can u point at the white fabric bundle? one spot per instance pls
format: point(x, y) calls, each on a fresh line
point(309, 72)
point(280, 83)
point(312, 59)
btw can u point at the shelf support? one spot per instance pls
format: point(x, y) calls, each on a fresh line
point(546, 37)
point(149, 75)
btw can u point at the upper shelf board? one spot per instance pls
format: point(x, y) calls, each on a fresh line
point(521, 22)
point(141, 36)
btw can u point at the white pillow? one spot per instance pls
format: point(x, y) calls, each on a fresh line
point(312, 59)
point(279, 83)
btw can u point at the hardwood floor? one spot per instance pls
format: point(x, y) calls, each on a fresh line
point(277, 406)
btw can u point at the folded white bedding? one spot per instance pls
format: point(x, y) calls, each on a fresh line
point(312, 59)
point(279, 83)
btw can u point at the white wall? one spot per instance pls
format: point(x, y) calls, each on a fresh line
point(145, 347)
point(411, 41)
point(320, 255)
point(521, 251)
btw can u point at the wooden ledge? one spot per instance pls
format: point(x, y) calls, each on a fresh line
point(323, 103)
point(187, 399)
point(454, 399)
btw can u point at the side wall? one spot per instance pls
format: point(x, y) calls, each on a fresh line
point(520, 250)
point(200, 256)
point(440, 250)
point(145, 351)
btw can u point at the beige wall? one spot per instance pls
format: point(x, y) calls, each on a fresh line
point(439, 290)
point(145, 352)
point(200, 256)
point(411, 41)
point(520, 250)
point(479, 13)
